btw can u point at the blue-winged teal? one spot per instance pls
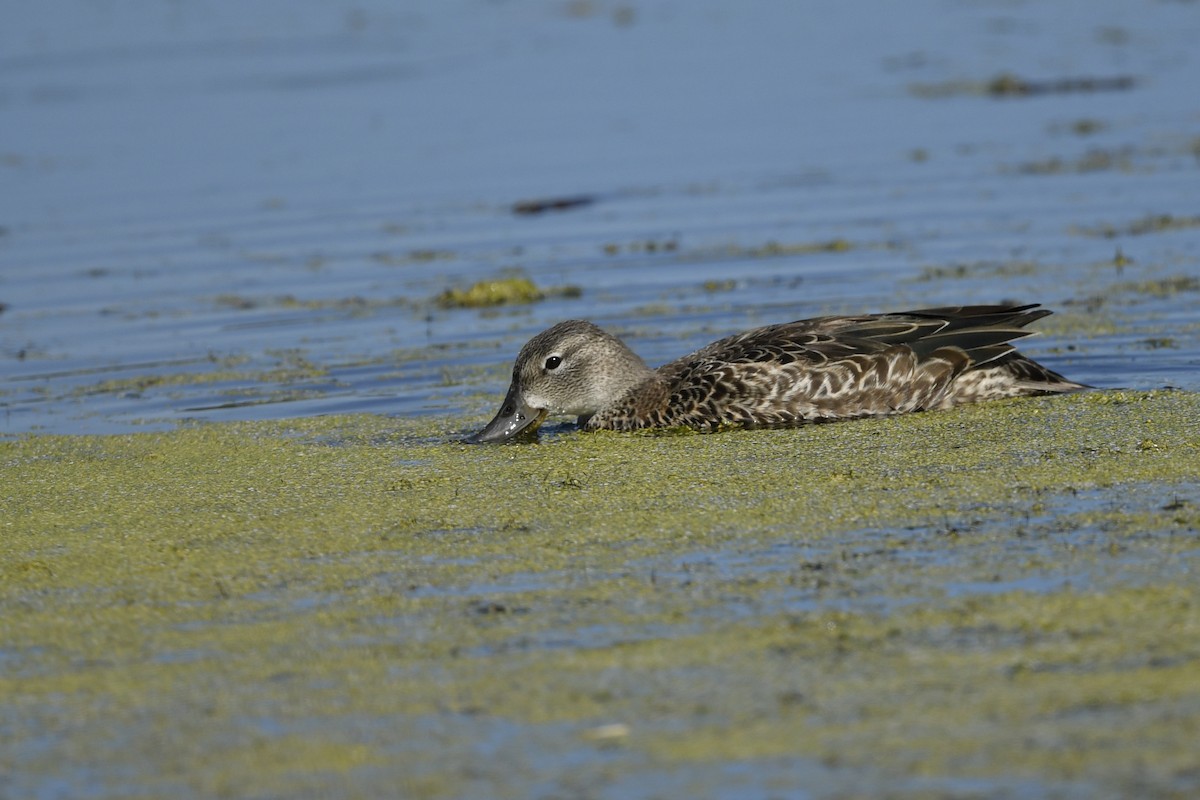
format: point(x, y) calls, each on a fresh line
point(812, 370)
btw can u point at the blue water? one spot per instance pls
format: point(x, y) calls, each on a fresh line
point(271, 196)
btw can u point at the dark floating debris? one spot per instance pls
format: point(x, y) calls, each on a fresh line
point(1007, 84)
point(492, 608)
point(552, 204)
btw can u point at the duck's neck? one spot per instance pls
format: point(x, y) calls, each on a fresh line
point(625, 372)
point(643, 389)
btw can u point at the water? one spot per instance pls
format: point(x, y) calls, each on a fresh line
point(223, 211)
point(226, 214)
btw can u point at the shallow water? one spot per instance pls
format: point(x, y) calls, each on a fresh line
point(216, 212)
point(217, 215)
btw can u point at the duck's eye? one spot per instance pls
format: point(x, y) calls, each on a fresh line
point(553, 362)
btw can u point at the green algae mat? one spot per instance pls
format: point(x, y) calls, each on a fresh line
point(993, 601)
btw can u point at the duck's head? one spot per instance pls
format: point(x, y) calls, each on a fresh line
point(572, 368)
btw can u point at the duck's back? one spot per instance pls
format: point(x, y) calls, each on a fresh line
point(842, 367)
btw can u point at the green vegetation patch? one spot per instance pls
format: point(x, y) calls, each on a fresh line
point(1161, 287)
point(981, 269)
point(516, 290)
point(1153, 223)
point(291, 607)
point(1094, 160)
point(774, 249)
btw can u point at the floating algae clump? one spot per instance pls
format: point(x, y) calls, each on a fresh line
point(505, 291)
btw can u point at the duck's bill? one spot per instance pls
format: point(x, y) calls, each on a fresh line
point(515, 417)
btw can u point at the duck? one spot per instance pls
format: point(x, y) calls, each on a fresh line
point(794, 373)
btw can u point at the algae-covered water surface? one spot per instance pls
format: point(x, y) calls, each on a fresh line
point(996, 600)
point(263, 266)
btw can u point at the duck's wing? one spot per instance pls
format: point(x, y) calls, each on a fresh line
point(981, 331)
point(986, 334)
point(840, 367)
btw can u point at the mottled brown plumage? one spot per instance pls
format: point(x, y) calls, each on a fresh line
point(806, 371)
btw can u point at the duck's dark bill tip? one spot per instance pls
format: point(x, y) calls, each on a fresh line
point(489, 434)
point(511, 430)
point(514, 419)
point(524, 437)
